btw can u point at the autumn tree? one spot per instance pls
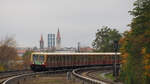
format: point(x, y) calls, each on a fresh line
point(105, 38)
point(136, 46)
point(26, 59)
point(8, 53)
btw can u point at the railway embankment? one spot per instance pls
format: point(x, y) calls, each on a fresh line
point(47, 77)
point(5, 75)
point(79, 75)
point(90, 75)
point(94, 75)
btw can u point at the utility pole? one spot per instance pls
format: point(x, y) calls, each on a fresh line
point(78, 46)
point(115, 72)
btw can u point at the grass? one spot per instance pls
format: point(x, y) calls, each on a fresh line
point(109, 76)
point(54, 79)
point(99, 76)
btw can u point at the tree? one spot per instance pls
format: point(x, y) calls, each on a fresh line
point(105, 38)
point(26, 59)
point(135, 46)
point(8, 53)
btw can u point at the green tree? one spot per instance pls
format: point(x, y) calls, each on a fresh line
point(135, 46)
point(105, 38)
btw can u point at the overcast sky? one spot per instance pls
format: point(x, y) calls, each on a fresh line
point(78, 20)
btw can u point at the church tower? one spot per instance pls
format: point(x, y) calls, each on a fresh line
point(58, 40)
point(41, 43)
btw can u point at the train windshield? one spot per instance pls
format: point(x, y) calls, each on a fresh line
point(41, 58)
point(38, 59)
point(35, 58)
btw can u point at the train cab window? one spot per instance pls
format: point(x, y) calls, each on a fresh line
point(35, 57)
point(41, 58)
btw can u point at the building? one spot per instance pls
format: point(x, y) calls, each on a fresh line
point(41, 43)
point(51, 41)
point(21, 51)
point(58, 41)
point(86, 49)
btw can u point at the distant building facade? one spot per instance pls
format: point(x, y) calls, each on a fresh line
point(58, 41)
point(86, 49)
point(51, 41)
point(21, 51)
point(41, 43)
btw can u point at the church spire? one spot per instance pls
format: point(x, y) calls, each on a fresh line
point(41, 43)
point(58, 40)
point(58, 35)
point(41, 37)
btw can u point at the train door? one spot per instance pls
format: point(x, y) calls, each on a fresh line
point(74, 60)
point(80, 60)
point(60, 63)
point(84, 60)
point(53, 61)
point(68, 62)
point(71, 60)
point(96, 59)
point(77, 60)
point(56, 60)
point(48, 61)
point(65, 63)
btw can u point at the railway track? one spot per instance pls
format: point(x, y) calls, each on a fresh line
point(93, 74)
point(90, 75)
point(85, 75)
point(77, 75)
point(8, 74)
point(20, 78)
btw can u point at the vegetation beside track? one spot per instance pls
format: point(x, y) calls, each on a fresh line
point(9, 59)
point(99, 75)
point(104, 39)
point(110, 76)
point(136, 46)
point(53, 79)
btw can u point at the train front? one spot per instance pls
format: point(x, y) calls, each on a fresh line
point(38, 62)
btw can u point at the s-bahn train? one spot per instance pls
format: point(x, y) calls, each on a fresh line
point(44, 61)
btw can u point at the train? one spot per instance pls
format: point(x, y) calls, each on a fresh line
point(41, 61)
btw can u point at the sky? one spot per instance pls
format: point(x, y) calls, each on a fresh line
point(77, 20)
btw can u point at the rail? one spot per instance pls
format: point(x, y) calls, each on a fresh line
point(5, 74)
point(19, 79)
point(86, 80)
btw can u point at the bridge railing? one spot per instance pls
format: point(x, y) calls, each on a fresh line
point(86, 80)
